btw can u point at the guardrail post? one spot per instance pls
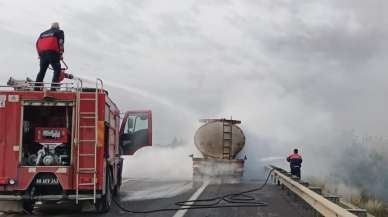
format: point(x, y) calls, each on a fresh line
point(333, 198)
point(359, 212)
point(317, 190)
point(305, 184)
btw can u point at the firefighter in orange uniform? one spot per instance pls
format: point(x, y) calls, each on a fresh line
point(295, 161)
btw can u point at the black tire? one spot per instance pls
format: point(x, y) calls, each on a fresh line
point(105, 202)
point(28, 206)
point(116, 190)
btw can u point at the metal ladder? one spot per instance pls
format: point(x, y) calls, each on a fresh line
point(83, 116)
point(227, 139)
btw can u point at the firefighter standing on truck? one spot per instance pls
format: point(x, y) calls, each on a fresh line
point(295, 161)
point(50, 49)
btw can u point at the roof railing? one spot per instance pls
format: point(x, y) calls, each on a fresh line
point(28, 85)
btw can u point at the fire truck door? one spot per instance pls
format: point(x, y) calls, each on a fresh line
point(135, 131)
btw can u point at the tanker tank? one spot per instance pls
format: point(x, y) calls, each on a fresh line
point(219, 141)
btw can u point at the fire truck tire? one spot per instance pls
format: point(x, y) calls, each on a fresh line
point(104, 203)
point(116, 190)
point(117, 187)
point(28, 206)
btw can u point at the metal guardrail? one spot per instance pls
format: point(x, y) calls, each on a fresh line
point(315, 200)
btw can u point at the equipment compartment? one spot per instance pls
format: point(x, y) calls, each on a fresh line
point(46, 135)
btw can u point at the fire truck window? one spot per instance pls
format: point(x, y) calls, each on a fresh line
point(129, 127)
point(136, 133)
point(141, 123)
point(136, 123)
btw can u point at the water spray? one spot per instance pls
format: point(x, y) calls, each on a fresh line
point(156, 98)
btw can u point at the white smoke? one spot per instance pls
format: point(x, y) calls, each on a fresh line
point(164, 163)
point(296, 73)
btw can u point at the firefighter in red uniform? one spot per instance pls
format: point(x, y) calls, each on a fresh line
point(295, 161)
point(50, 49)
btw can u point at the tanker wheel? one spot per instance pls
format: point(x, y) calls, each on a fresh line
point(104, 203)
point(28, 206)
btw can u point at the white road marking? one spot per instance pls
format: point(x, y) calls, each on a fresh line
point(181, 213)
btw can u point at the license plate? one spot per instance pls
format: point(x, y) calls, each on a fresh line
point(47, 181)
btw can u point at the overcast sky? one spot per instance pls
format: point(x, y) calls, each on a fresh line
point(295, 72)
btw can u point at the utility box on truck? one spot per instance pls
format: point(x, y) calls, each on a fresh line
point(65, 145)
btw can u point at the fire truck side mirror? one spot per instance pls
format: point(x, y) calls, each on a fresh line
point(135, 131)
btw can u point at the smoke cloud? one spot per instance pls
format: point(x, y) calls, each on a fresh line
point(163, 163)
point(297, 73)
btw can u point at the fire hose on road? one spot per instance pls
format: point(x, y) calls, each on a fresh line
point(238, 199)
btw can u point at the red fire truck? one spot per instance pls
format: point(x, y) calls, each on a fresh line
point(64, 145)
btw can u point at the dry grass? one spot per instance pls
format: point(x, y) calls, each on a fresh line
point(373, 206)
point(362, 200)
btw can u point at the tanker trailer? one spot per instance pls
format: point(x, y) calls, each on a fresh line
point(219, 141)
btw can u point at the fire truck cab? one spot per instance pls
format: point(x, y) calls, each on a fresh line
point(65, 145)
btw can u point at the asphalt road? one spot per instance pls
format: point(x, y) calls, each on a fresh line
point(140, 195)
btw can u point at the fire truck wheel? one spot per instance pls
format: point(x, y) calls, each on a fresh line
point(28, 206)
point(104, 203)
point(116, 189)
